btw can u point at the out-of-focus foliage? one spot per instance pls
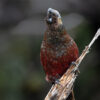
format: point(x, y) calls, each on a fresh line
point(21, 32)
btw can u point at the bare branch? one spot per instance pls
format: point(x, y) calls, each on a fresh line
point(62, 90)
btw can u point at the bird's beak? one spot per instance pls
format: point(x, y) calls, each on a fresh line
point(49, 20)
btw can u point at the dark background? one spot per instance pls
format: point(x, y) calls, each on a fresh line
point(21, 32)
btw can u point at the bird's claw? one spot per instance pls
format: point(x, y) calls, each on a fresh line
point(76, 69)
point(73, 63)
point(57, 81)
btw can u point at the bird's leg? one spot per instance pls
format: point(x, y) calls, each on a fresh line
point(56, 80)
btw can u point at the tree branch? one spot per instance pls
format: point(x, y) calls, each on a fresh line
point(62, 90)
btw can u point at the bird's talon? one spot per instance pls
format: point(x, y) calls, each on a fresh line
point(57, 81)
point(73, 63)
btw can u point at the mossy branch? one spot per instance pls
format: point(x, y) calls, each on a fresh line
point(62, 90)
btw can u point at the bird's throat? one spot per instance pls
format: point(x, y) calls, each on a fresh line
point(55, 37)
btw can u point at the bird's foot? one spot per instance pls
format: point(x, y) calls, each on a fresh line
point(73, 63)
point(57, 80)
point(76, 69)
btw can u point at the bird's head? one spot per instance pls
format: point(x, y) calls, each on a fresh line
point(53, 18)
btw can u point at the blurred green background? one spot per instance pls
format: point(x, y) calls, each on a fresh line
point(21, 32)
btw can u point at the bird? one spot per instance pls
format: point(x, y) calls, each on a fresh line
point(58, 49)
